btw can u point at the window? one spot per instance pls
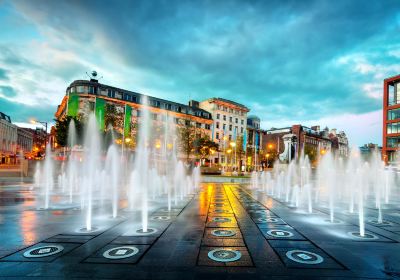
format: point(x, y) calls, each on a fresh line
point(110, 93)
point(91, 90)
point(242, 122)
point(230, 119)
point(241, 130)
point(223, 126)
point(72, 90)
point(393, 128)
point(118, 95)
point(393, 114)
point(81, 89)
point(230, 137)
point(236, 120)
point(217, 135)
point(394, 94)
point(207, 126)
point(217, 125)
point(393, 142)
point(230, 127)
point(217, 116)
point(224, 117)
point(198, 125)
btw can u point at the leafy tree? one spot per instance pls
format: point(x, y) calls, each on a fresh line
point(62, 126)
point(186, 137)
point(204, 146)
point(311, 152)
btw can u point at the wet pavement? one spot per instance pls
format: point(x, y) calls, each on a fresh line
point(223, 232)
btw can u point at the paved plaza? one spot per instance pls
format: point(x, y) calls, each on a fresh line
point(222, 232)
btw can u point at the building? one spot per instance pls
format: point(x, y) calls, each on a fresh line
point(84, 97)
point(8, 140)
point(391, 119)
point(288, 143)
point(367, 150)
point(255, 148)
point(24, 140)
point(229, 125)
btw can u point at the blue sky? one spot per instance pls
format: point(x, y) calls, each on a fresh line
point(310, 62)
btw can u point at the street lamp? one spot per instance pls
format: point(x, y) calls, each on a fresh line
point(33, 121)
point(233, 145)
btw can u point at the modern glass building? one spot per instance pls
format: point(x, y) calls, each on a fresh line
point(391, 119)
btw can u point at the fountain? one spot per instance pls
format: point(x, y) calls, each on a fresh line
point(92, 175)
point(335, 185)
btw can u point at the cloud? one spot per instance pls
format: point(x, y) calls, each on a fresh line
point(7, 91)
point(3, 75)
point(287, 61)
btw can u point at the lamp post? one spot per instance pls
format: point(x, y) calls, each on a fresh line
point(233, 145)
point(33, 121)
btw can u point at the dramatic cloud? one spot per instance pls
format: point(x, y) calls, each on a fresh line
point(289, 61)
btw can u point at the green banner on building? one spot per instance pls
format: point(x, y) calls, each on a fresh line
point(73, 105)
point(99, 112)
point(127, 121)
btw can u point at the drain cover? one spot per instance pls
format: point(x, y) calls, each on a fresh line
point(85, 230)
point(367, 236)
point(223, 232)
point(279, 233)
point(160, 218)
point(221, 219)
point(121, 252)
point(221, 211)
point(268, 220)
point(224, 255)
point(148, 232)
point(335, 221)
point(305, 257)
point(376, 222)
point(43, 251)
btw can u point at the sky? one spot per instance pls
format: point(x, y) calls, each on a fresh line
point(310, 62)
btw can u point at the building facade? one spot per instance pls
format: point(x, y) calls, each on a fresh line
point(24, 140)
point(288, 143)
point(8, 140)
point(255, 149)
point(229, 126)
point(391, 119)
point(84, 97)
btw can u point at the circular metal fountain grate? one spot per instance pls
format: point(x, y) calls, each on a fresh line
point(305, 257)
point(367, 236)
point(224, 255)
point(335, 221)
point(160, 218)
point(279, 233)
point(43, 251)
point(376, 222)
point(85, 230)
point(221, 219)
point(221, 211)
point(268, 220)
point(223, 232)
point(121, 252)
point(148, 232)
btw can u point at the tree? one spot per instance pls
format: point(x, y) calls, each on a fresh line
point(62, 127)
point(311, 152)
point(186, 137)
point(203, 147)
